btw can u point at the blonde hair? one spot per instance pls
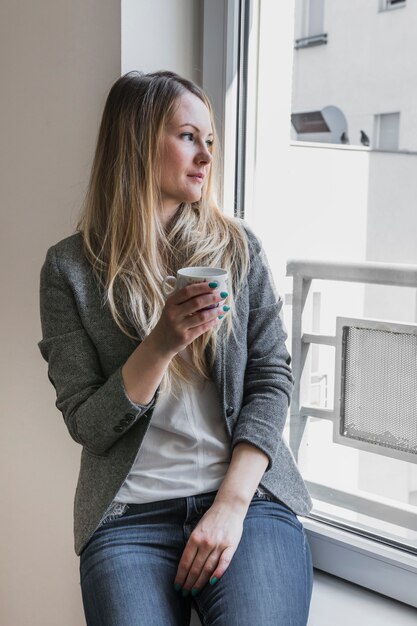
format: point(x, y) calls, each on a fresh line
point(124, 238)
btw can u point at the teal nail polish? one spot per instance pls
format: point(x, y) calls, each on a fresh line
point(220, 317)
point(185, 593)
point(195, 591)
point(223, 294)
point(213, 285)
point(213, 581)
point(177, 586)
point(226, 308)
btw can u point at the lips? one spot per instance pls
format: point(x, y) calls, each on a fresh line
point(198, 175)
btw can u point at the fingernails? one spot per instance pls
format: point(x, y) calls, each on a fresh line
point(213, 580)
point(185, 593)
point(223, 294)
point(220, 317)
point(177, 586)
point(195, 591)
point(213, 285)
point(226, 308)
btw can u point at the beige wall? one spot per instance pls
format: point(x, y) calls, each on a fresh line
point(58, 60)
point(162, 35)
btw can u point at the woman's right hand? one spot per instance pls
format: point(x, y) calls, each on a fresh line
point(181, 321)
point(183, 318)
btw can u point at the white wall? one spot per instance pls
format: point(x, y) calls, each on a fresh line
point(58, 60)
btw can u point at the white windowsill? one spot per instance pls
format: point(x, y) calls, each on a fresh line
point(393, 8)
point(376, 566)
point(338, 601)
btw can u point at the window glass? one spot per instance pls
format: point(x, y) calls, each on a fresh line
point(315, 16)
point(334, 181)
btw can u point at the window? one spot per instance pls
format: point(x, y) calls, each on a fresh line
point(392, 4)
point(344, 204)
point(386, 131)
point(343, 212)
point(312, 24)
point(314, 16)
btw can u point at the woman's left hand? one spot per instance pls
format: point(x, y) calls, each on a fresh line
point(210, 548)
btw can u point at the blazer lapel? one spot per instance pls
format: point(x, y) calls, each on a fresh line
point(218, 371)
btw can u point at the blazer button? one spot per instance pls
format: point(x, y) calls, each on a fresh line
point(229, 411)
point(129, 417)
point(118, 429)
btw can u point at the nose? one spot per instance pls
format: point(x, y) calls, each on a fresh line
point(204, 154)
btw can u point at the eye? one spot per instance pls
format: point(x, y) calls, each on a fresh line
point(190, 137)
point(187, 136)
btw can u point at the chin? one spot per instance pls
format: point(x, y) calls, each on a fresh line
point(191, 198)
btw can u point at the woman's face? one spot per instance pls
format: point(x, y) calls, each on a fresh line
point(185, 154)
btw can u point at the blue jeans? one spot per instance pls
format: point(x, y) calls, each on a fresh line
point(129, 565)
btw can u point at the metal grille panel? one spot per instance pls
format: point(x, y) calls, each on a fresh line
point(379, 391)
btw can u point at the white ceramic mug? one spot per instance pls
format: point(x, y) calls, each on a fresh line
point(187, 275)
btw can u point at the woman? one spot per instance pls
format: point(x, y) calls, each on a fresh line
point(187, 492)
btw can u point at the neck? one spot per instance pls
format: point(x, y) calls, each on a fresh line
point(168, 213)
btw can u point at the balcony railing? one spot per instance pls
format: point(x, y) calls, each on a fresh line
point(364, 401)
point(303, 272)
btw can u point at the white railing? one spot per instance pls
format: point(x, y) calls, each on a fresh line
point(303, 272)
point(371, 559)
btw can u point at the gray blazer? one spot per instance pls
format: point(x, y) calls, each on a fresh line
point(85, 350)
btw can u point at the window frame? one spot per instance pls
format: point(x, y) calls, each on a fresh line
point(343, 553)
point(229, 77)
point(220, 81)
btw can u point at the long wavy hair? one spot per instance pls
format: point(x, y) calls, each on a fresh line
point(127, 244)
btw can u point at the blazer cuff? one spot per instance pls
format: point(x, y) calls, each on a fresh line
point(98, 428)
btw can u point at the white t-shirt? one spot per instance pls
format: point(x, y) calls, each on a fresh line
point(186, 449)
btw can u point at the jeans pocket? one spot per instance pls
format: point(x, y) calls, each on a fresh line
point(115, 510)
point(264, 495)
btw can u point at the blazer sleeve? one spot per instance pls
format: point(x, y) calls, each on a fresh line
point(96, 410)
point(268, 381)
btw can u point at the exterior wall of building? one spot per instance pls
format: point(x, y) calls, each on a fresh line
point(366, 68)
